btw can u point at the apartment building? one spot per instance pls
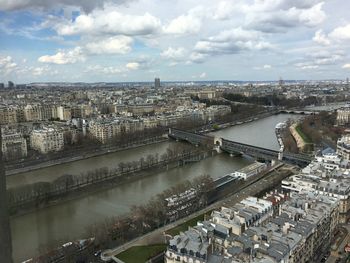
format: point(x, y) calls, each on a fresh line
point(304, 227)
point(343, 116)
point(14, 146)
point(64, 113)
point(343, 147)
point(105, 129)
point(8, 115)
point(47, 140)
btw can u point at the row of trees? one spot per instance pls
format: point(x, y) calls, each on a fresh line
point(320, 128)
point(288, 141)
point(42, 192)
point(141, 219)
point(87, 144)
point(273, 100)
point(145, 218)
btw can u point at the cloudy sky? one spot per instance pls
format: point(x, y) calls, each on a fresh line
point(137, 40)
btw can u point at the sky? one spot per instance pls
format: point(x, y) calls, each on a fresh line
point(138, 40)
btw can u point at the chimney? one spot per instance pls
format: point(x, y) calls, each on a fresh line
point(285, 228)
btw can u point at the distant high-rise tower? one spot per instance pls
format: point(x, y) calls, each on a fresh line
point(5, 231)
point(11, 85)
point(347, 83)
point(280, 82)
point(157, 83)
point(2, 85)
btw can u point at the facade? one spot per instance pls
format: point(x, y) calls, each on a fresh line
point(64, 113)
point(105, 130)
point(32, 113)
point(14, 146)
point(8, 115)
point(140, 109)
point(47, 140)
point(215, 111)
point(343, 116)
point(250, 170)
point(343, 147)
point(249, 212)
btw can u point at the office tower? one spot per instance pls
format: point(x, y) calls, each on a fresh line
point(157, 83)
point(11, 85)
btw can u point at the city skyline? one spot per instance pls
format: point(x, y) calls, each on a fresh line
point(119, 41)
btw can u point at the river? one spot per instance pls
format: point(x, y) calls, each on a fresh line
point(67, 221)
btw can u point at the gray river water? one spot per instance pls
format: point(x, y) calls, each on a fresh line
point(68, 221)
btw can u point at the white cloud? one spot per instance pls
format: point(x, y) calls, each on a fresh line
point(110, 22)
point(278, 16)
point(200, 76)
point(84, 5)
point(132, 65)
point(321, 38)
point(98, 69)
point(312, 16)
point(232, 41)
point(273, 5)
point(347, 66)
point(39, 71)
point(237, 34)
point(7, 65)
point(203, 75)
point(174, 53)
point(341, 33)
point(196, 57)
point(111, 45)
point(264, 67)
point(321, 58)
point(303, 65)
point(189, 23)
point(64, 57)
point(224, 10)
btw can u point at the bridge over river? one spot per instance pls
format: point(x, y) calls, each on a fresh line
point(237, 148)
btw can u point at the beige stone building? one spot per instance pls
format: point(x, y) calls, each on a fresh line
point(343, 116)
point(8, 115)
point(64, 113)
point(32, 113)
point(47, 140)
point(104, 130)
point(14, 146)
point(343, 147)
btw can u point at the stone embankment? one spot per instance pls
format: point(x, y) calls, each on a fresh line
point(301, 144)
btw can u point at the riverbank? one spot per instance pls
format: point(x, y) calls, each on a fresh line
point(254, 186)
point(43, 228)
point(149, 141)
point(46, 164)
point(47, 199)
